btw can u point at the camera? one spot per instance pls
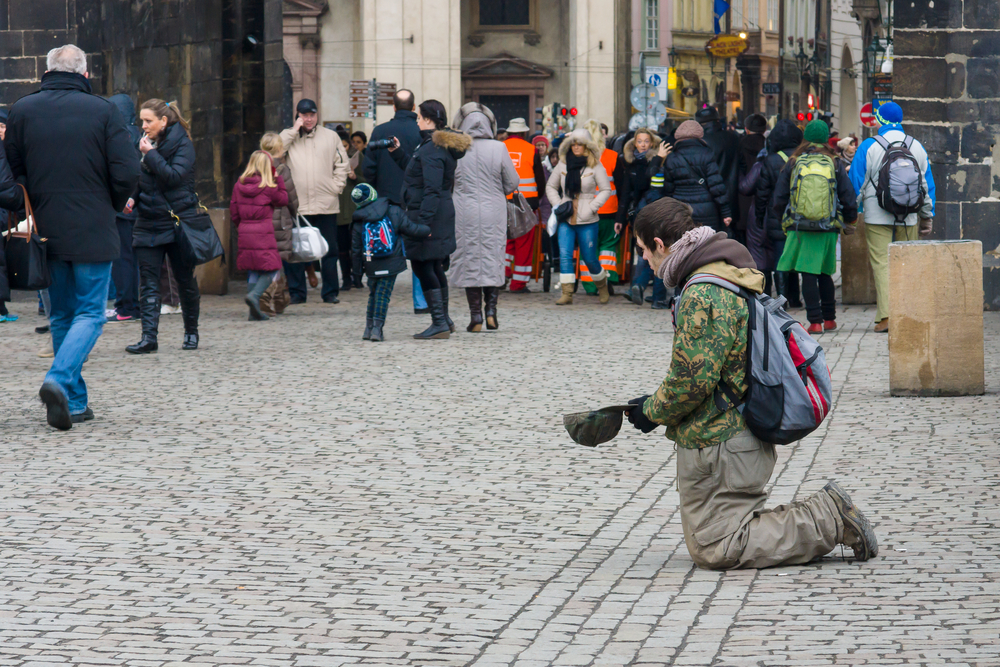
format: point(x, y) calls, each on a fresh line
point(382, 143)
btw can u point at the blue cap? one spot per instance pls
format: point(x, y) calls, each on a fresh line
point(889, 113)
point(363, 194)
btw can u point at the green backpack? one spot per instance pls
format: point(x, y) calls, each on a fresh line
point(813, 206)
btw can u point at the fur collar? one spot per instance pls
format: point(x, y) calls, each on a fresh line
point(452, 140)
point(593, 154)
point(629, 150)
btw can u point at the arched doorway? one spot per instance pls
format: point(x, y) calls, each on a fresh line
point(849, 108)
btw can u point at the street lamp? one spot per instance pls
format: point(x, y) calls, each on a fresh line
point(672, 56)
point(802, 60)
point(875, 56)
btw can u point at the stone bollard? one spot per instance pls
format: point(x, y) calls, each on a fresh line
point(936, 318)
point(855, 268)
point(213, 277)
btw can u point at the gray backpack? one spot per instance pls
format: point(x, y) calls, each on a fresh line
point(898, 188)
point(789, 388)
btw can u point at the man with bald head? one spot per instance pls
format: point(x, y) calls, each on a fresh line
point(382, 172)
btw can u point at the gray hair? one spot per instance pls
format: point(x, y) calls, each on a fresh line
point(68, 58)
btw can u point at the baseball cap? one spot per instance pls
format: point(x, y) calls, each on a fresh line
point(306, 105)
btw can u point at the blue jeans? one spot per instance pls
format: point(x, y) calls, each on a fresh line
point(254, 276)
point(643, 275)
point(78, 292)
point(586, 236)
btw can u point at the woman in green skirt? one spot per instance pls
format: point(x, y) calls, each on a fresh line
point(816, 200)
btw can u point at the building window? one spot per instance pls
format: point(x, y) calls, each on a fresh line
point(753, 14)
point(652, 25)
point(772, 15)
point(504, 12)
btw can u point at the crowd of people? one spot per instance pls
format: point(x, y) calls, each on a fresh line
point(432, 192)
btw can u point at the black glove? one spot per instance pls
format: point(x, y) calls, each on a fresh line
point(636, 417)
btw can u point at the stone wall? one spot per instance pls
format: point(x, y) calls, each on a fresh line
point(191, 51)
point(947, 79)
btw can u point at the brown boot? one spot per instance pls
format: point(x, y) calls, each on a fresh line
point(882, 326)
point(567, 294)
point(601, 283)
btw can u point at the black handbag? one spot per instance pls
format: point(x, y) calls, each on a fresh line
point(196, 236)
point(25, 253)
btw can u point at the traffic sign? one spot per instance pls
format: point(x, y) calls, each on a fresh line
point(652, 118)
point(644, 97)
point(657, 77)
point(772, 88)
point(867, 115)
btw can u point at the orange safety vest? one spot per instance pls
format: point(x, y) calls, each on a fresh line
point(609, 159)
point(522, 154)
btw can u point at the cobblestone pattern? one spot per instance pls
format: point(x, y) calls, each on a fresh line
point(292, 495)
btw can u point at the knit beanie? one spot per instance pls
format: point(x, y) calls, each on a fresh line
point(689, 129)
point(889, 113)
point(363, 194)
point(817, 132)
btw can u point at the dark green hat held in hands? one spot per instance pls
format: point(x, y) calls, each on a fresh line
point(597, 426)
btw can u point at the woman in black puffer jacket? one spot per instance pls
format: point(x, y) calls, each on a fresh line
point(166, 189)
point(691, 175)
point(428, 182)
point(781, 143)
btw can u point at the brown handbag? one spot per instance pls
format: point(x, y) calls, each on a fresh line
point(25, 253)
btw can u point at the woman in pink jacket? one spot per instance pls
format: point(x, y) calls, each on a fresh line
point(255, 196)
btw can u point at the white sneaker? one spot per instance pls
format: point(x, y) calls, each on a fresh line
point(110, 313)
point(169, 310)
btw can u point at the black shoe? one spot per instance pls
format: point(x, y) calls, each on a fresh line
point(491, 295)
point(635, 295)
point(294, 301)
point(56, 406)
point(368, 330)
point(795, 304)
point(377, 335)
point(421, 311)
point(444, 309)
point(439, 325)
point(522, 290)
point(858, 532)
point(190, 341)
point(346, 286)
point(661, 305)
point(144, 346)
point(358, 284)
point(42, 330)
point(649, 299)
point(256, 314)
point(84, 416)
point(331, 299)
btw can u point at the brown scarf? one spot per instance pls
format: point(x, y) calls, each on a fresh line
point(679, 251)
point(700, 247)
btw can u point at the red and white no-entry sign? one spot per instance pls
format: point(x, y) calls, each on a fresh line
point(867, 115)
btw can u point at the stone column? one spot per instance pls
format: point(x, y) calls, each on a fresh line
point(947, 80)
point(592, 54)
point(936, 318)
point(857, 278)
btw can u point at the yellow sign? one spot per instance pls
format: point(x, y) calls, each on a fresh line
point(672, 79)
point(726, 46)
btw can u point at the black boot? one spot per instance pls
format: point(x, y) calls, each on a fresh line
point(368, 329)
point(190, 341)
point(190, 308)
point(149, 314)
point(444, 302)
point(491, 294)
point(781, 285)
point(439, 325)
point(792, 285)
point(377, 325)
point(475, 298)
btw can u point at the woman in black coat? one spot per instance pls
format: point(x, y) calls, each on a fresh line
point(691, 175)
point(428, 182)
point(166, 190)
point(783, 140)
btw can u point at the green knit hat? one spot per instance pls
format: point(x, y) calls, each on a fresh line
point(817, 132)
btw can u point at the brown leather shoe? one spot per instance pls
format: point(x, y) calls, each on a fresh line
point(882, 326)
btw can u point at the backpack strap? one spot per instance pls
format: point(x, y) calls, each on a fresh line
point(784, 155)
point(907, 141)
point(882, 141)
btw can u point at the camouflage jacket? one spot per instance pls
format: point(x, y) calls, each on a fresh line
point(710, 343)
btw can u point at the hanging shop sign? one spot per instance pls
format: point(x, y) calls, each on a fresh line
point(726, 46)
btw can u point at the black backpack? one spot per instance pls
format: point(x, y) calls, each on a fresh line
point(898, 189)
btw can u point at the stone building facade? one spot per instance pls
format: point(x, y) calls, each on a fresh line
point(947, 79)
point(219, 59)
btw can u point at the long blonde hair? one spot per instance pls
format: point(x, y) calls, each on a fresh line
point(168, 110)
point(273, 144)
point(259, 165)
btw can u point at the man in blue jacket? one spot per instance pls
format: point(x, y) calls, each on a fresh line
point(881, 227)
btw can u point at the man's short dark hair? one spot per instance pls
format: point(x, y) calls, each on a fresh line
point(359, 133)
point(403, 100)
point(666, 219)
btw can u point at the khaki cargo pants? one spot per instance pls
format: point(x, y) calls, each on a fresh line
point(723, 516)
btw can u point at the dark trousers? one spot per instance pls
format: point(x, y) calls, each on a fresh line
point(379, 293)
point(150, 262)
point(295, 274)
point(643, 275)
point(125, 274)
point(431, 272)
point(344, 254)
point(820, 297)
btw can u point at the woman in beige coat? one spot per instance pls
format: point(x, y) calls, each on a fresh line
point(581, 180)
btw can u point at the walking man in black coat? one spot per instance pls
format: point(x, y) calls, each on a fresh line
point(725, 145)
point(75, 154)
point(381, 170)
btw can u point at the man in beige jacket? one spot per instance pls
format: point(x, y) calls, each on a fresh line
point(319, 166)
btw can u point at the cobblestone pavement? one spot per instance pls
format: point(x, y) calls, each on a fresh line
point(292, 495)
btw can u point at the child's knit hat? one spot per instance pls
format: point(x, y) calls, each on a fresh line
point(363, 194)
